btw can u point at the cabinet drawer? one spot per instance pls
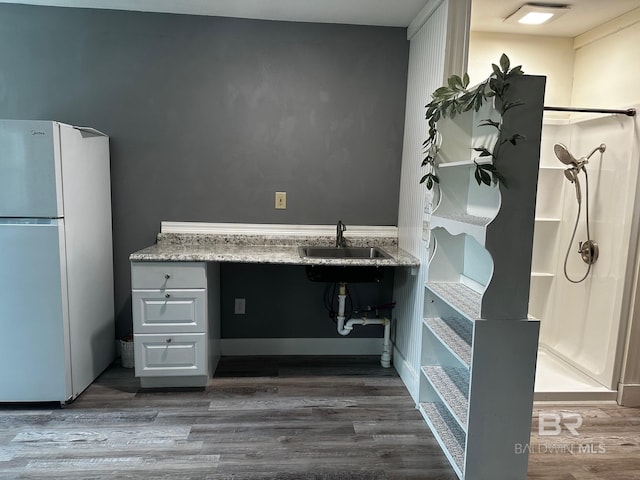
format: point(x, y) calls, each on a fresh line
point(162, 275)
point(180, 354)
point(169, 311)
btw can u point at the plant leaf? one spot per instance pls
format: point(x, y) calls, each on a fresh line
point(505, 63)
point(487, 122)
point(440, 92)
point(515, 71)
point(455, 82)
point(497, 177)
point(483, 151)
point(515, 138)
point(486, 166)
point(484, 176)
point(430, 180)
point(506, 106)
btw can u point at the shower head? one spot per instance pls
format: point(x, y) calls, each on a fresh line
point(563, 154)
point(572, 176)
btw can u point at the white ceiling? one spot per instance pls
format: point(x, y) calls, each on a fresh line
point(583, 15)
point(487, 15)
point(363, 12)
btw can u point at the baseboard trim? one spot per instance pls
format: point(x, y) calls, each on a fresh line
point(407, 374)
point(629, 395)
point(301, 346)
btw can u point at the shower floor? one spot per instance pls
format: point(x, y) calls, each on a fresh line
point(558, 381)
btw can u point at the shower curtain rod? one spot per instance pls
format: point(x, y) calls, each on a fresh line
point(629, 112)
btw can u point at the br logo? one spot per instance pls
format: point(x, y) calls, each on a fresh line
point(552, 423)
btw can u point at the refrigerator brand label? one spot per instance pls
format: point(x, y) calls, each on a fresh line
point(37, 132)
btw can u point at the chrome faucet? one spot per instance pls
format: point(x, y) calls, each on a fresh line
point(340, 228)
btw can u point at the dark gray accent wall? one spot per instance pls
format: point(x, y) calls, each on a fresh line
point(209, 116)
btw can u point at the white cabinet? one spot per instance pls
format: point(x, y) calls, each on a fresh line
point(170, 354)
point(169, 310)
point(478, 351)
point(175, 322)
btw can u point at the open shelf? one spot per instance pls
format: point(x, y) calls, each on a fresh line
point(540, 294)
point(465, 163)
point(545, 251)
point(460, 223)
point(452, 386)
point(463, 218)
point(551, 182)
point(459, 296)
point(455, 333)
point(459, 259)
point(462, 200)
point(447, 432)
point(462, 133)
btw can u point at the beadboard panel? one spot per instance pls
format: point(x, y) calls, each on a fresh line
point(431, 48)
point(426, 60)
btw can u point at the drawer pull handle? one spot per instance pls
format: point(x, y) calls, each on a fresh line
point(168, 340)
point(167, 295)
point(167, 276)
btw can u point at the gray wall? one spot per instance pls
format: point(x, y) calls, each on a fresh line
point(282, 303)
point(209, 116)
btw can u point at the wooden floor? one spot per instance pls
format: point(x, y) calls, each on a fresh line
point(289, 418)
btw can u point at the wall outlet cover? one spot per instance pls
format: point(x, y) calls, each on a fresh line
point(239, 307)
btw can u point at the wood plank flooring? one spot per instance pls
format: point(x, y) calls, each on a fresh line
point(286, 418)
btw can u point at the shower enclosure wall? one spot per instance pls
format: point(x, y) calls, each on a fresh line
point(583, 325)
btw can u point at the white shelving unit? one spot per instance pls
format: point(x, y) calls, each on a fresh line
point(479, 345)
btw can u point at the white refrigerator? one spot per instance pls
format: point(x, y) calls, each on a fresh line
point(56, 262)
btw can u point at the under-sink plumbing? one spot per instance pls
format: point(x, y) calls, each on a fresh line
point(346, 328)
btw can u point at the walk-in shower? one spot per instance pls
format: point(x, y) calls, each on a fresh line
point(588, 250)
point(583, 325)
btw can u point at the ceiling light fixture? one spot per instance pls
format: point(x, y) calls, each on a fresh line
point(537, 13)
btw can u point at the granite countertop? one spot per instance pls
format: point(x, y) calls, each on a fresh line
point(263, 249)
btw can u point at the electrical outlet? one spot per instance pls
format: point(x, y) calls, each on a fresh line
point(239, 307)
point(281, 200)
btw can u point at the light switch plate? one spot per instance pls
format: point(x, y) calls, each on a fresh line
point(281, 200)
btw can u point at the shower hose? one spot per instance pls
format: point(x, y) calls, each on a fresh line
point(575, 228)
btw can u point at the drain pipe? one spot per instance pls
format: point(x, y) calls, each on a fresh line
point(345, 329)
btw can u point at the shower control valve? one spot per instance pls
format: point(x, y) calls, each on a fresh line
point(589, 251)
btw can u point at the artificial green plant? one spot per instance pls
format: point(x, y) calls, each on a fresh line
point(456, 98)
